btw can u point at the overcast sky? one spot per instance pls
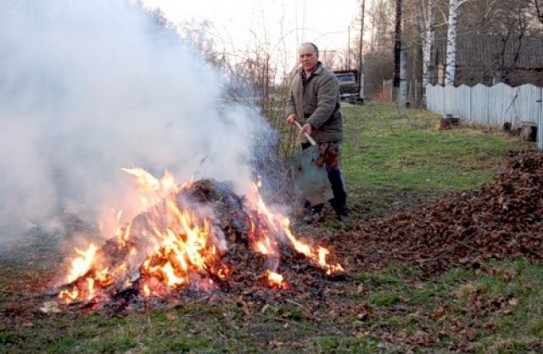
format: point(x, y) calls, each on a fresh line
point(238, 22)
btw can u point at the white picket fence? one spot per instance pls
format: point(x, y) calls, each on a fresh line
point(494, 105)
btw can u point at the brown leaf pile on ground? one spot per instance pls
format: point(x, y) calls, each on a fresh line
point(497, 220)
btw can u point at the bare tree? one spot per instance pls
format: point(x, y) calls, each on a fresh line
point(538, 4)
point(331, 59)
point(451, 40)
point(378, 54)
point(501, 31)
point(496, 17)
point(480, 17)
point(381, 27)
point(427, 21)
point(397, 43)
point(400, 63)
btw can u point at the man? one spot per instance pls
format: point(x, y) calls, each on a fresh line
point(314, 102)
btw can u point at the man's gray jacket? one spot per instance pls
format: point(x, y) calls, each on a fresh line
point(317, 103)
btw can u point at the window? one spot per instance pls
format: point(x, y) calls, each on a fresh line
point(345, 77)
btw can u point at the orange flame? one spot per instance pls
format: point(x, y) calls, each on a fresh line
point(82, 264)
point(280, 222)
point(169, 246)
point(276, 280)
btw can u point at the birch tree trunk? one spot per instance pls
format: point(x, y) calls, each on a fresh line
point(451, 40)
point(451, 43)
point(429, 34)
point(397, 60)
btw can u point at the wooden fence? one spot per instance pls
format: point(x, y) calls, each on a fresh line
point(494, 105)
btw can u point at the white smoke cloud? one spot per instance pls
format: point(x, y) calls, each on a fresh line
point(90, 86)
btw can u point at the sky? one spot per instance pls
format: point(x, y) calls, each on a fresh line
point(280, 24)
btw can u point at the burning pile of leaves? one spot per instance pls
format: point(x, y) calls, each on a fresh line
point(193, 239)
point(204, 241)
point(461, 230)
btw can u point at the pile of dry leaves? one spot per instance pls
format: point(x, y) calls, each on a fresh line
point(497, 220)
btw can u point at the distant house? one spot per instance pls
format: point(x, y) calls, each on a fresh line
point(490, 59)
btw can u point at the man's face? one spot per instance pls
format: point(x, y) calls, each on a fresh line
point(308, 57)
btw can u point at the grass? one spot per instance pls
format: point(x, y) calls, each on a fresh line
point(385, 155)
point(389, 164)
point(411, 153)
point(498, 309)
point(188, 329)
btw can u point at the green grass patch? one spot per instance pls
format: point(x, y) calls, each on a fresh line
point(187, 329)
point(342, 344)
point(385, 298)
point(387, 277)
point(498, 308)
point(382, 151)
point(507, 302)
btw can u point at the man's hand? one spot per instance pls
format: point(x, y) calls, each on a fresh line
point(292, 118)
point(306, 129)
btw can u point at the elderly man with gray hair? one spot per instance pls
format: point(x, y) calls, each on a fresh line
point(314, 102)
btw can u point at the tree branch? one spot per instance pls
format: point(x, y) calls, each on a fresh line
point(539, 11)
point(460, 3)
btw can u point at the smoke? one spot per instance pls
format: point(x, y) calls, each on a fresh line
point(88, 87)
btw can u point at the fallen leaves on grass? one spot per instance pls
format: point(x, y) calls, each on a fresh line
point(462, 229)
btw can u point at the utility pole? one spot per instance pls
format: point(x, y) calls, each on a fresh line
point(361, 52)
point(348, 64)
point(303, 22)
